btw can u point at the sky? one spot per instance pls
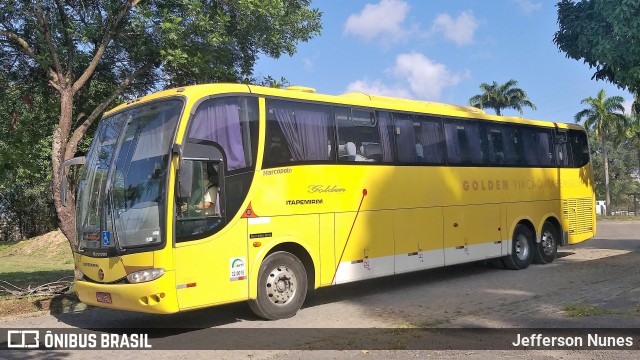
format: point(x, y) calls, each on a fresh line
point(442, 51)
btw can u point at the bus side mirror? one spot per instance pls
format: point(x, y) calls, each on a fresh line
point(185, 178)
point(80, 160)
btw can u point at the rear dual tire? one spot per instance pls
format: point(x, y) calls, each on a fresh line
point(546, 250)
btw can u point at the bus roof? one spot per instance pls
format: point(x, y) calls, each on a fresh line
point(351, 99)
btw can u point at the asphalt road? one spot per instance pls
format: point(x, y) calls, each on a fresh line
point(600, 276)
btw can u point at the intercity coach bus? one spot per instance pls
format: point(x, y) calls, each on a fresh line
point(212, 194)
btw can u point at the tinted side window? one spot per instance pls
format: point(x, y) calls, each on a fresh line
point(405, 138)
point(504, 145)
point(579, 148)
point(358, 136)
point(419, 139)
point(297, 132)
point(429, 140)
point(230, 124)
point(562, 146)
point(464, 143)
point(537, 146)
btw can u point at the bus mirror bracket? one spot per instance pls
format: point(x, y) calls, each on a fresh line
point(221, 185)
point(185, 178)
point(177, 150)
point(80, 160)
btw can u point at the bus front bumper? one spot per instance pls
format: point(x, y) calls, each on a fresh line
point(157, 296)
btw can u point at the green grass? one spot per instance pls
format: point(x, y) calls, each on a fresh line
point(32, 270)
point(578, 310)
point(430, 323)
point(34, 262)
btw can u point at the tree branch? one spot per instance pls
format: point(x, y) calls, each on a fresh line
point(48, 40)
point(81, 130)
point(23, 46)
point(103, 45)
point(67, 36)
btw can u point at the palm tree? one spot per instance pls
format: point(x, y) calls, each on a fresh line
point(504, 96)
point(605, 117)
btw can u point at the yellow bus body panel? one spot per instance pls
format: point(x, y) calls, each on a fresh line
point(157, 296)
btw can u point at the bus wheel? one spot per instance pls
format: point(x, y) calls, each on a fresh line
point(545, 251)
point(282, 287)
point(521, 249)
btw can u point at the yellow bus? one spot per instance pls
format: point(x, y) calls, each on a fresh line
point(212, 194)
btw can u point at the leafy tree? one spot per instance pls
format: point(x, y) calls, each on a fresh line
point(115, 49)
point(623, 168)
point(501, 96)
point(604, 117)
point(27, 112)
point(604, 34)
point(633, 130)
point(272, 82)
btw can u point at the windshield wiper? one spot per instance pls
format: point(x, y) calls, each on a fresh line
point(116, 242)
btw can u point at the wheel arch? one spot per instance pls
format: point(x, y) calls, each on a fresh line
point(297, 249)
point(553, 220)
point(302, 254)
point(526, 222)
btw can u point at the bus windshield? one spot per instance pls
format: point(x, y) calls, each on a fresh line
point(122, 191)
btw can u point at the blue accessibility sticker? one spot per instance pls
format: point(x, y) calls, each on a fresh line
point(106, 238)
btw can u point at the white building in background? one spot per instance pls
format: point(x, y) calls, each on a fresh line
point(601, 207)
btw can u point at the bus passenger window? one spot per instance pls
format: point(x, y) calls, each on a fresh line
point(539, 147)
point(464, 145)
point(579, 148)
point(297, 132)
point(503, 144)
point(358, 136)
point(429, 140)
point(407, 148)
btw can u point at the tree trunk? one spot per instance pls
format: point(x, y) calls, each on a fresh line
point(66, 214)
point(638, 150)
point(605, 157)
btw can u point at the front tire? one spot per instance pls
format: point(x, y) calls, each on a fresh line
point(521, 249)
point(545, 252)
point(282, 287)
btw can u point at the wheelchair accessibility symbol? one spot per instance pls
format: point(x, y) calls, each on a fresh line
point(106, 238)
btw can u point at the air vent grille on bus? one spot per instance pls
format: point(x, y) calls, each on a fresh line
point(579, 212)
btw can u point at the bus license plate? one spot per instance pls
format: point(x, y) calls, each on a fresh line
point(103, 297)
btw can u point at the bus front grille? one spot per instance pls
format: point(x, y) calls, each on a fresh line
point(579, 212)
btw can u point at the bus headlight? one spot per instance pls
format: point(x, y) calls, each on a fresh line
point(144, 275)
point(78, 274)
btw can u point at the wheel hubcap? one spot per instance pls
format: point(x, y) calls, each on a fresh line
point(547, 243)
point(281, 285)
point(522, 247)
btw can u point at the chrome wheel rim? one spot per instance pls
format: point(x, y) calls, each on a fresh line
point(281, 285)
point(547, 243)
point(522, 247)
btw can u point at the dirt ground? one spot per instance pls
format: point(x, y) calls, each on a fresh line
point(593, 285)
